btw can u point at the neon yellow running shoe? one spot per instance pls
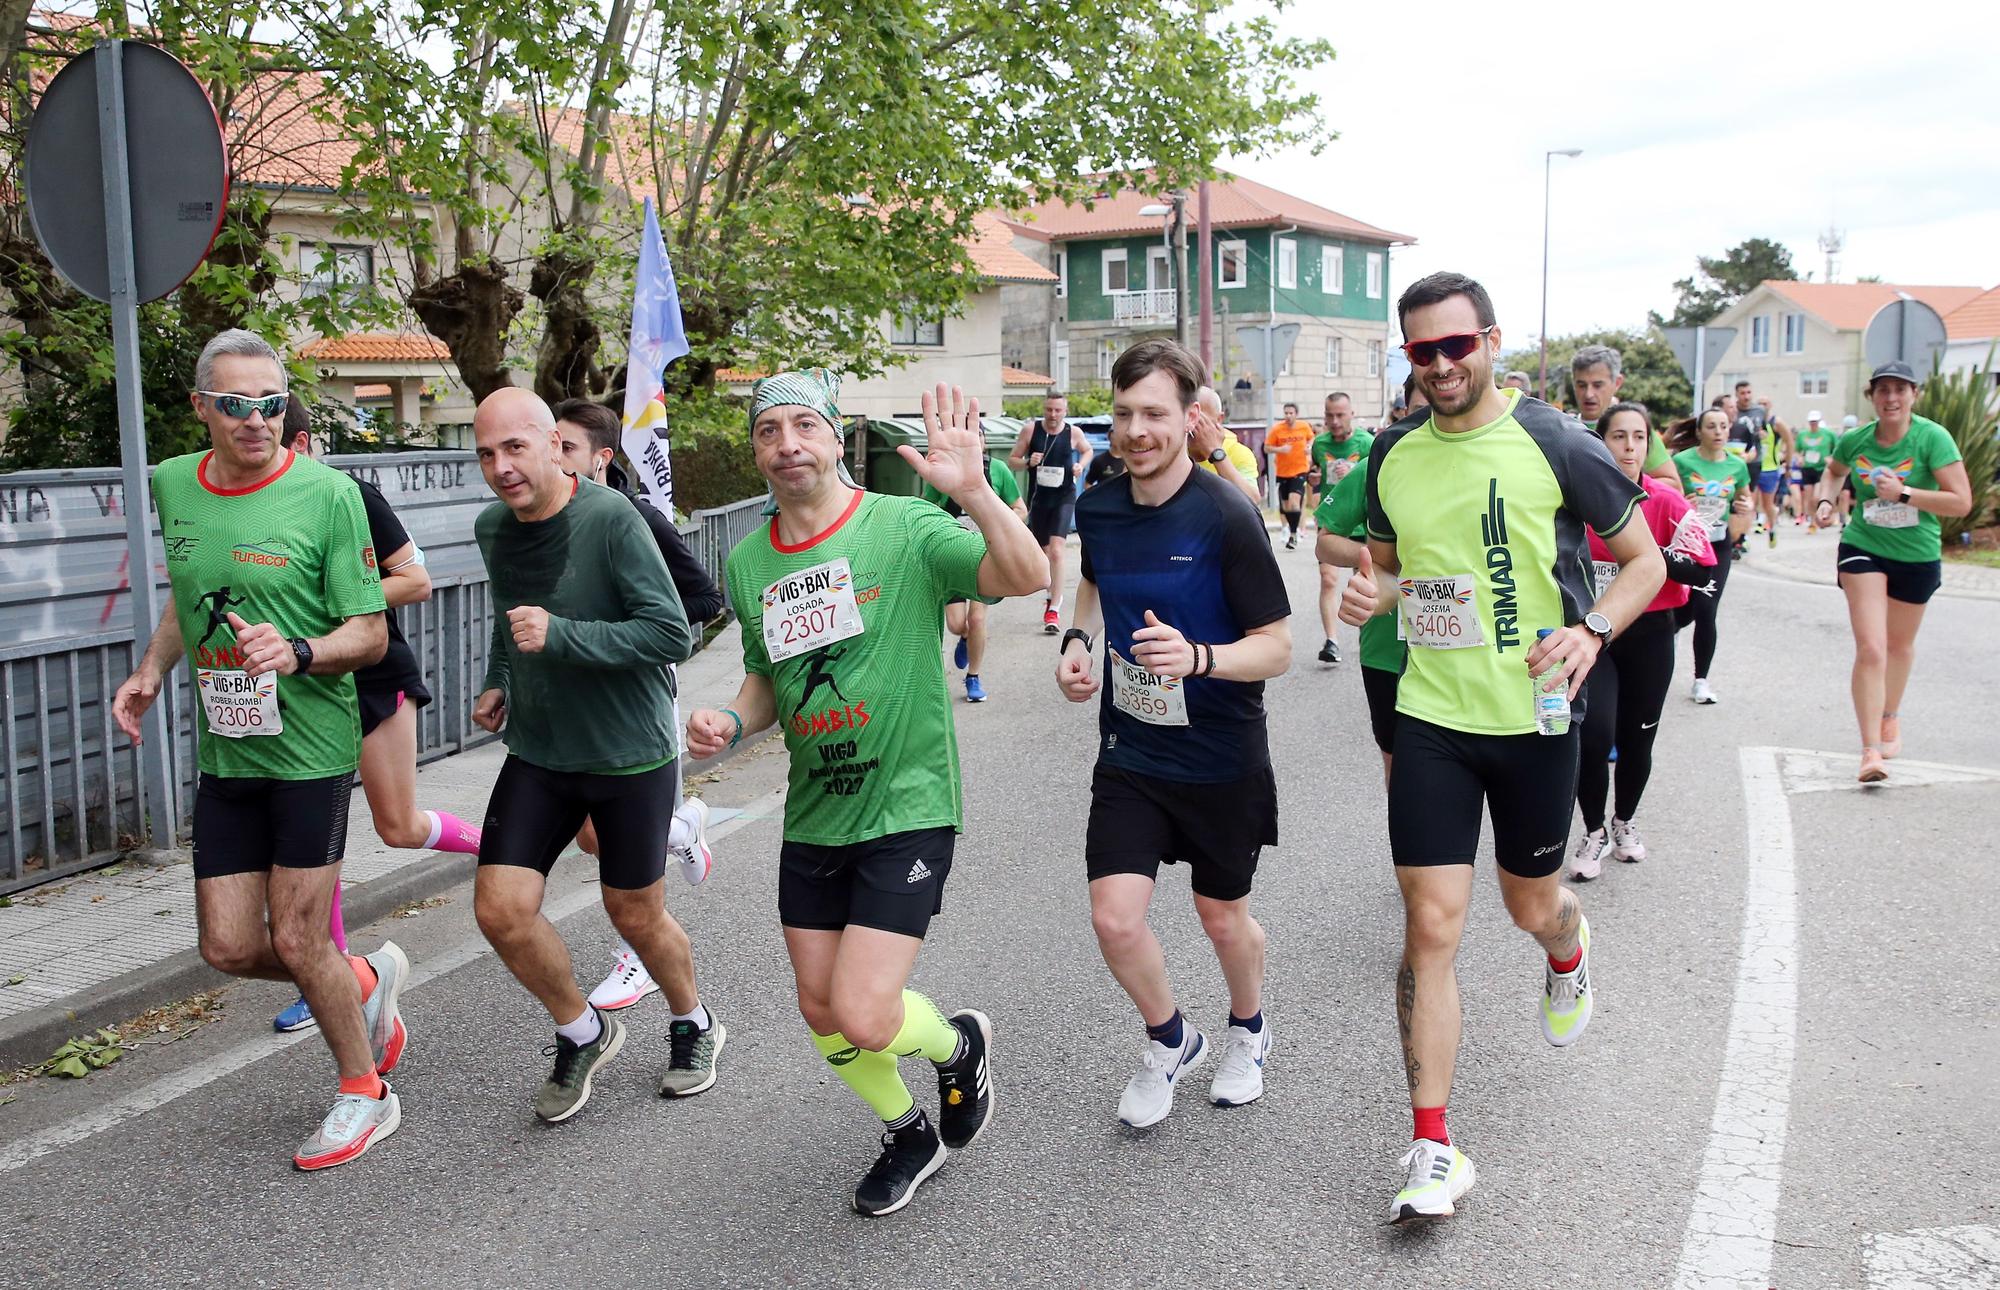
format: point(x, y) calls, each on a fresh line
point(1566, 996)
point(1438, 1174)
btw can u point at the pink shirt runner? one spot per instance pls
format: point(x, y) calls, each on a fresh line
point(1675, 527)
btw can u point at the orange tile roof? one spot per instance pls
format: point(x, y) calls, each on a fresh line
point(1847, 306)
point(1021, 376)
point(371, 391)
point(1233, 202)
point(377, 347)
point(992, 249)
point(1976, 319)
point(738, 375)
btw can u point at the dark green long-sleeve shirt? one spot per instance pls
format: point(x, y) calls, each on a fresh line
point(598, 697)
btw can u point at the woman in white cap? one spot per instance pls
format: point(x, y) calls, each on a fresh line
point(1907, 471)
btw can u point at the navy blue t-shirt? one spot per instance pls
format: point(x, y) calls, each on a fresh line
point(1201, 562)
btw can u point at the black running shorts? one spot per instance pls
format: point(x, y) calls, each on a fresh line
point(892, 884)
point(1913, 582)
point(1138, 823)
point(534, 815)
point(1443, 776)
point(1380, 687)
point(379, 703)
point(1051, 522)
point(252, 825)
point(1292, 486)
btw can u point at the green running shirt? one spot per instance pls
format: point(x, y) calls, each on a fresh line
point(997, 474)
point(293, 552)
point(867, 720)
point(1712, 488)
point(1505, 507)
point(1915, 458)
point(1815, 447)
point(1354, 448)
point(1345, 511)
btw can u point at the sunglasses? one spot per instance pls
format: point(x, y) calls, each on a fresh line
point(242, 405)
point(1423, 353)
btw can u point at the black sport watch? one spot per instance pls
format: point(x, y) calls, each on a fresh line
point(302, 650)
point(1076, 634)
point(1598, 625)
point(1217, 457)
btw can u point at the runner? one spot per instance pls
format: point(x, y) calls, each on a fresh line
point(1478, 511)
point(1628, 687)
point(1228, 458)
point(1717, 485)
point(588, 433)
point(846, 590)
point(1597, 374)
point(1103, 466)
point(1055, 455)
point(1815, 446)
point(1767, 444)
point(1288, 444)
point(1336, 452)
point(1907, 471)
point(1189, 642)
point(275, 602)
point(585, 621)
point(390, 692)
point(966, 618)
point(1342, 520)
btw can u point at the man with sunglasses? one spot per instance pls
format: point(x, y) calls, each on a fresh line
point(276, 602)
point(1476, 518)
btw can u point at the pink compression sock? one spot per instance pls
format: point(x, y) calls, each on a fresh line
point(339, 931)
point(449, 833)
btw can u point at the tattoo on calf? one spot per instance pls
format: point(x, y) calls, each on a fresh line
point(1406, 1007)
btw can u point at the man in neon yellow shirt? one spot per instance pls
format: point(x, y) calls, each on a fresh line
point(1235, 453)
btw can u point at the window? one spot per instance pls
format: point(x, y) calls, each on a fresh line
point(1332, 270)
point(1374, 357)
point(1107, 354)
point(1760, 334)
point(1156, 268)
point(908, 329)
point(1285, 364)
point(1062, 273)
point(1333, 356)
point(1233, 265)
point(1375, 267)
point(1288, 264)
point(1114, 269)
point(1061, 365)
point(1795, 333)
point(1814, 382)
point(330, 267)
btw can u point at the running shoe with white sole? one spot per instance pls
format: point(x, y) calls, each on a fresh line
point(1702, 692)
point(1626, 844)
point(1329, 652)
point(1239, 1075)
point(965, 1086)
point(1567, 996)
point(1436, 1174)
point(1051, 623)
point(1149, 1094)
point(1588, 859)
point(355, 1124)
point(697, 861)
point(974, 691)
point(909, 1155)
point(628, 982)
point(298, 1014)
point(691, 1055)
point(568, 1085)
point(382, 1010)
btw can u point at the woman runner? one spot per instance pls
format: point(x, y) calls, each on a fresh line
point(1717, 484)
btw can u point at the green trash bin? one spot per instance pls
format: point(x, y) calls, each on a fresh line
point(887, 471)
point(1001, 432)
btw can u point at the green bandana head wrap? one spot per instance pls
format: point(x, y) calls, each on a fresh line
point(809, 387)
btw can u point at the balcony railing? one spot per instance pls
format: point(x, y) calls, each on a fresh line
point(1142, 308)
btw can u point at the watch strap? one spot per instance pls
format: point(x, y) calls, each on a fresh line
point(302, 650)
point(1076, 634)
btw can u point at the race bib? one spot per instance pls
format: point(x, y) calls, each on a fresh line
point(238, 704)
point(1889, 515)
point(1050, 476)
point(1603, 571)
point(1712, 508)
point(808, 609)
point(1155, 700)
point(1812, 456)
point(969, 524)
point(1438, 613)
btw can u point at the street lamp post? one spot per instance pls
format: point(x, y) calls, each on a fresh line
point(1548, 162)
point(1171, 231)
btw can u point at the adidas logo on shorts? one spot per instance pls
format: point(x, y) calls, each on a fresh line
point(918, 872)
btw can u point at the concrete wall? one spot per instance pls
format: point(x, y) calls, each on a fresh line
point(1031, 314)
point(969, 357)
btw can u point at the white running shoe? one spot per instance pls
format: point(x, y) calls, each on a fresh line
point(1567, 996)
point(355, 1124)
point(1626, 844)
point(697, 860)
point(628, 983)
point(1239, 1076)
point(1703, 692)
point(1588, 859)
point(1149, 1094)
point(1436, 1174)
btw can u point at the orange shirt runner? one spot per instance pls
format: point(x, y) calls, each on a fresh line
point(1290, 446)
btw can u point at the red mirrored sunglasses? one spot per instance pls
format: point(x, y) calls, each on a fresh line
point(1423, 353)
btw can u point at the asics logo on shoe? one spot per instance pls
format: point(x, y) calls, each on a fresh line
point(918, 872)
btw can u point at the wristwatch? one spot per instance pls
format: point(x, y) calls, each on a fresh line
point(1598, 625)
point(1076, 634)
point(302, 650)
point(1217, 457)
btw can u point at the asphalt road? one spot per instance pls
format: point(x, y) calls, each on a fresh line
point(173, 1166)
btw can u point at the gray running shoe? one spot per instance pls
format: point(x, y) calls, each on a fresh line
point(355, 1124)
point(381, 1010)
point(691, 1055)
point(568, 1086)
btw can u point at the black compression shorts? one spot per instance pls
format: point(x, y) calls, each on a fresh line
point(1291, 486)
point(1443, 776)
point(252, 825)
point(1138, 823)
point(892, 884)
point(1050, 521)
point(1380, 687)
point(534, 814)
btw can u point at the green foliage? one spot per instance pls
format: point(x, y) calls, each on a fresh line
point(1965, 403)
point(78, 1057)
point(1720, 281)
point(70, 414)
point(1653, 376)
point(1091, 401)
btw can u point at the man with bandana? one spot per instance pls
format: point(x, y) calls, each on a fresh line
point(841, 599)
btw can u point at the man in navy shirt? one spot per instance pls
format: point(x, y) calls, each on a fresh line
point(1178, 576)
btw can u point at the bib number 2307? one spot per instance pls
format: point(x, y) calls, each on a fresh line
point(240, 705)
point(811, 608)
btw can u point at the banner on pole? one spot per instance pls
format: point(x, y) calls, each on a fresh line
point(658, 338)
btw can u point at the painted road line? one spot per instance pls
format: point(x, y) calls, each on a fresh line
point(1735, 1211)
point(167, 1088)
point(1933, 1258)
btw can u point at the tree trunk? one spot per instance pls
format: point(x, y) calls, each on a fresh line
point(566, 361)
point(470, 310)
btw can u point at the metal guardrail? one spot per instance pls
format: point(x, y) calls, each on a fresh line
point(71, 785)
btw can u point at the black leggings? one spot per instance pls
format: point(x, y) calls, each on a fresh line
point(1627, 691)
point(1700, 610)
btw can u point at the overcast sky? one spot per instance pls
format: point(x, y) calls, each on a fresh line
point(1701, 124)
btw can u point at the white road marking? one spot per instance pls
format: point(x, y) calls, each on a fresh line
point(1735, 1210)
point(1933, 1258)
point(1807, 771)
point(150, 1097)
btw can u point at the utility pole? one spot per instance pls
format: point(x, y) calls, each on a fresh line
point(1548, 160)
point(1204, 252)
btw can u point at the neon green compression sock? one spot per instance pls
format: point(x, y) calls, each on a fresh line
point(873, 1076)
point(925, 1032)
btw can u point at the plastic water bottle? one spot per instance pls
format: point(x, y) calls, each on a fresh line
point(1551, 707)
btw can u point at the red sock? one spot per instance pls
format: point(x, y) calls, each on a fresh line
point(369, 1085)
point(1570, 966)
point(362, 973)
point(1430, 1124)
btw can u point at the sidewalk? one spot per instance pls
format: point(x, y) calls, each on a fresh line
point(103, 947)
point(1808, 557)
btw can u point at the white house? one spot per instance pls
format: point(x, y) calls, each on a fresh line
point(1971, 332)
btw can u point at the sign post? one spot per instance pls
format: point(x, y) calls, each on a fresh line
point(1700, 351)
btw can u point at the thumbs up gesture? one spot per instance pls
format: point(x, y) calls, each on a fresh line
point(1161, 649)
point(1358, 603)
point(263, 650)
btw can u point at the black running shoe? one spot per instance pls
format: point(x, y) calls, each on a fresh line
point(965, 1087)
point(909, 1155)
point(1329, 653)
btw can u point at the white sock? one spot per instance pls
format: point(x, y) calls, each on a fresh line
point(700, 1017)
point(437, 831)
point(584, 1030)
point(680, 835)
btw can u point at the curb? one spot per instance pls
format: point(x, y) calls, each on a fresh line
point(1789, 574)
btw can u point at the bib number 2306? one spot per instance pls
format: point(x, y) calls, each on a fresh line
point(1439, 613)
point(240, 705)
point(1155, 700)
point(811, 608)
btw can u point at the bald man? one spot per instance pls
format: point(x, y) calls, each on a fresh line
point(1217, 448)
point(585, 622)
